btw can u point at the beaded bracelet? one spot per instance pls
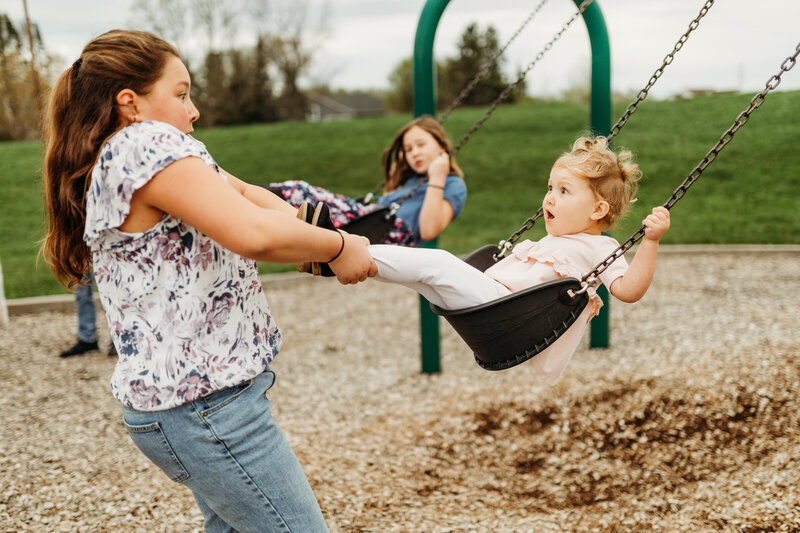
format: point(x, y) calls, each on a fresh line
point(435, 186)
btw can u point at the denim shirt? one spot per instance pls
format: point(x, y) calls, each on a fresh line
point(455, 192)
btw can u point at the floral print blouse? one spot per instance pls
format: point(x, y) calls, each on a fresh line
point(188, 316)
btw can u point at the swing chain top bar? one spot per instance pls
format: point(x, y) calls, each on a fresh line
point(506, 245)
point(503, 96)
point(489, 64)
point(660, 70)
point(508, 90)
point(712, 154)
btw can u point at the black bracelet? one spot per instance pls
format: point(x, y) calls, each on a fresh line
point(335, 257)
point(435, 186)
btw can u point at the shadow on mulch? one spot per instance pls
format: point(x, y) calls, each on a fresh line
point(630, 444)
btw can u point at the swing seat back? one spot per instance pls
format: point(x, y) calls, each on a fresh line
point(510, 330)
point(374, 225)
point(483, 257)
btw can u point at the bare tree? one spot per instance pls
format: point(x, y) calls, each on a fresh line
point(286, 37)
point(218, 19)
point(293, 36)
point(169, 19)
point(18, 99)
point(36, 83)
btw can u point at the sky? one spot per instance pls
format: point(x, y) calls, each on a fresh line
point(738, 45)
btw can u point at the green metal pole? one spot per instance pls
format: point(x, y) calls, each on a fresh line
point(600, 124)
point(424, 77)
point(425, 103)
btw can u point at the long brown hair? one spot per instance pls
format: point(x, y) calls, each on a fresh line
point(395, 167)
point(81, 115)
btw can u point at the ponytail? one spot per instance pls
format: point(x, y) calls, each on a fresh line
point(81, 115)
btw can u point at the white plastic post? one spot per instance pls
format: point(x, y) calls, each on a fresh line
point(3, 306)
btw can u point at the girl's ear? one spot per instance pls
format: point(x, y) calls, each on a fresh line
point(601, 208)
point(126, 102)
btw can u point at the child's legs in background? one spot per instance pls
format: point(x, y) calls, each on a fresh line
point(84, 303)
point(342, 208)
point(442, 278)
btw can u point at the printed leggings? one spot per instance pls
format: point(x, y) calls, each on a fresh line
point(342, 208)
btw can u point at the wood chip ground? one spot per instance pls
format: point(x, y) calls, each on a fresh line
point(690, 421)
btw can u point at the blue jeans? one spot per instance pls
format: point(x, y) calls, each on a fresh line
point(230, 452)
point(84, 303)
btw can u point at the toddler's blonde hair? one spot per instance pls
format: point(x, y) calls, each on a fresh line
point(612, 176)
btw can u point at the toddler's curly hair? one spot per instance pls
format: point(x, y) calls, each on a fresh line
point(612, 176)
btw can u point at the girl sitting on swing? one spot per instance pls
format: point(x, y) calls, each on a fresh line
point(589, 189)
point(421, 176)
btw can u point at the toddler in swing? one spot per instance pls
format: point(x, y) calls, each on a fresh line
point(589, 189)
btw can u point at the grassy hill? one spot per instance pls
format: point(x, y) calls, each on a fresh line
point(748, 195)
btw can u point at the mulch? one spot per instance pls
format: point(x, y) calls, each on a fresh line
point(689, 421)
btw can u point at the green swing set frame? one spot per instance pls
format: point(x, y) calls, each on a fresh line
point(424, 92)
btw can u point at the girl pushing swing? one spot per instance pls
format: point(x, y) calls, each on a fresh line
point(173, 240)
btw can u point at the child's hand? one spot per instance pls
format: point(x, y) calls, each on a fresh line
point(656, 224)
point(355, 263)
point(439, 169)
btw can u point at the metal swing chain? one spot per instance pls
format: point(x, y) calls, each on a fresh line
point(394, 206)
point(592, 278)
point(506, 245)
point(509, 89)
point(503, 96)
point(397, 203)
point(485, 70)
point(660, 70)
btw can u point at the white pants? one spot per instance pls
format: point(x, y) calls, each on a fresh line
point(447, 281)
point(442, 278)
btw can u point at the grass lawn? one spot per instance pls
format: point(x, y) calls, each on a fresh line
point(748, 195)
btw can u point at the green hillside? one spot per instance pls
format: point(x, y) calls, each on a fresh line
point(748, 195)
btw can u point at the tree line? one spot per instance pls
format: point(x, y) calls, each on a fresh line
point(18, 109)
point(250, 62)
point(476, 50)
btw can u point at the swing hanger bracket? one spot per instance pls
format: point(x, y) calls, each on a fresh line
point(589, 282)
point(504, 247)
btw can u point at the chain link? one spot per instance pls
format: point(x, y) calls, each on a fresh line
point(509, 89)
point(660, 70)
point(468, 89)
point(756, 102)
point(506, 245)
point(485, 70)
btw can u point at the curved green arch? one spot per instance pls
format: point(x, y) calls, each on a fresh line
point(424, 87)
